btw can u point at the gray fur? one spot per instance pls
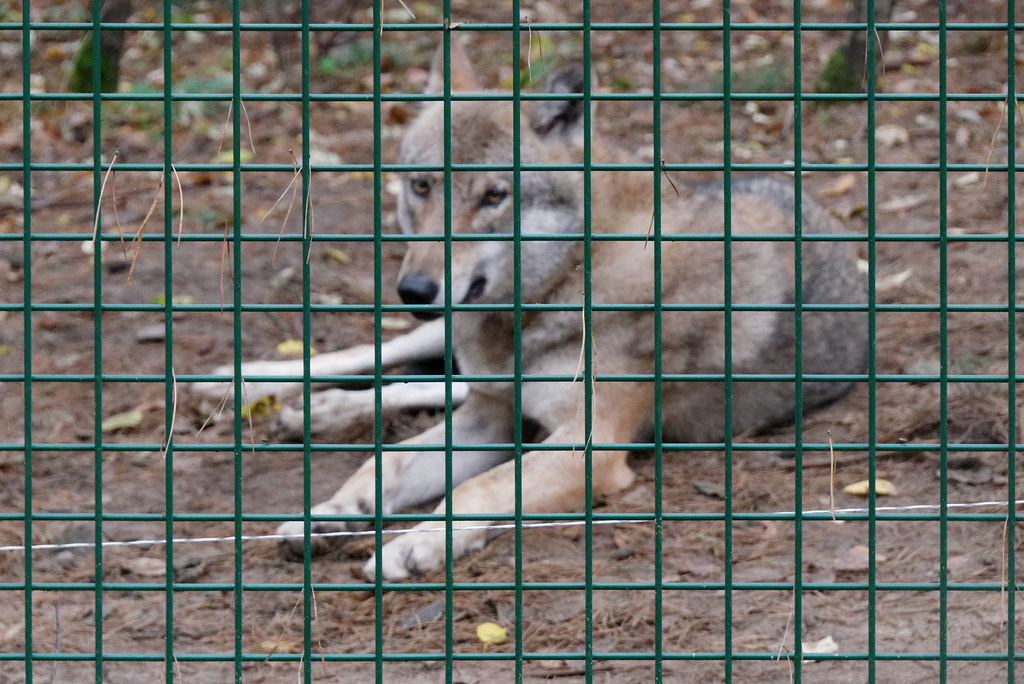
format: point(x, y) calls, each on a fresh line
point(694, 338)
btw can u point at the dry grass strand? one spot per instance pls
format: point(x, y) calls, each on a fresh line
point(103, 185)
point(137, 240)
point(654, 211)
point(295, 189)
point(181, 203)
point(174, 414)
point(225, 254)
point(999, 127)
point(832, 476)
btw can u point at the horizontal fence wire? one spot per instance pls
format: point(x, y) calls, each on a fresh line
point(837, 514)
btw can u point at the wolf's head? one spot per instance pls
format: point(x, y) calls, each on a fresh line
point(480, 203)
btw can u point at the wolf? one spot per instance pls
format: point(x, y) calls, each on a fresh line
point(760, 271)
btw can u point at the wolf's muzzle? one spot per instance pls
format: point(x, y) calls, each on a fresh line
point(417, 288)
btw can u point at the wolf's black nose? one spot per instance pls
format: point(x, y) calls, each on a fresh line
point(417, 288)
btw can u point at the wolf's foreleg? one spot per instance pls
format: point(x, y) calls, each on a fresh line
point(332, 411)
point(553, 482)
point(423, 343)
point(413, 477)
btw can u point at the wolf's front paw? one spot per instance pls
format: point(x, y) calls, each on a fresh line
point(291, 549)
point(421, 550)
point(337, 412)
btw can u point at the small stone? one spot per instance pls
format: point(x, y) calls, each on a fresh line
point(151, 333)
point(923, 367)
point(424, 615)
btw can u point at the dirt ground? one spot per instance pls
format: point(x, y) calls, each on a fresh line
point(133, 479)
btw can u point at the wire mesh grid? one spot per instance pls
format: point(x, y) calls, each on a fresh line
point(671, 612)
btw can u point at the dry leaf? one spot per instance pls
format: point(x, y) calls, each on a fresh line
point(901, 204)
point(146, 567)
point(846, 213)
point(842, 186)
point(882, 487)
point(552, 664)
point(324, 158)
point(891, 135)
point(711, 489)
point(122, 421)
point(858, 559)
point(281, 646)
point(895, 280)
point(967, 179)
point(826, 645)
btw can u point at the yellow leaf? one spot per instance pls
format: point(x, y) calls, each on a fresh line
point(122, 421)
point(293, 348)
point(228, 157)
point(261, 407)
point(337, 255)
point(5, 349)
point(176, 300)
point(490, 633)
point(882, 487)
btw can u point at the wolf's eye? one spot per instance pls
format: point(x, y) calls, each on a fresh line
point(494, 196)
point(419, 187)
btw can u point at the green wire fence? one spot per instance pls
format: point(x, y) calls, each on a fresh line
point(36, 645)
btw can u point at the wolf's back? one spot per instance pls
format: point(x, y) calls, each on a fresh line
point(833, 341)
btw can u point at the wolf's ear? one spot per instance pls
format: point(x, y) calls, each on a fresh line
point(463, 78)
point(562, 118)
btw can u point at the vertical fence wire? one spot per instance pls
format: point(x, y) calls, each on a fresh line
point(378, 340)
point(798, 360)
point(308, 599)
point(97, 312)
point(517, 328)
point(870, 41)
point(727, 315)
point(943, 356)
point(449, 523)
point(588, 353)
point(169, 389)
point(240, 395)
point(1010, 550)
point(656, 231)
point(26, 246)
